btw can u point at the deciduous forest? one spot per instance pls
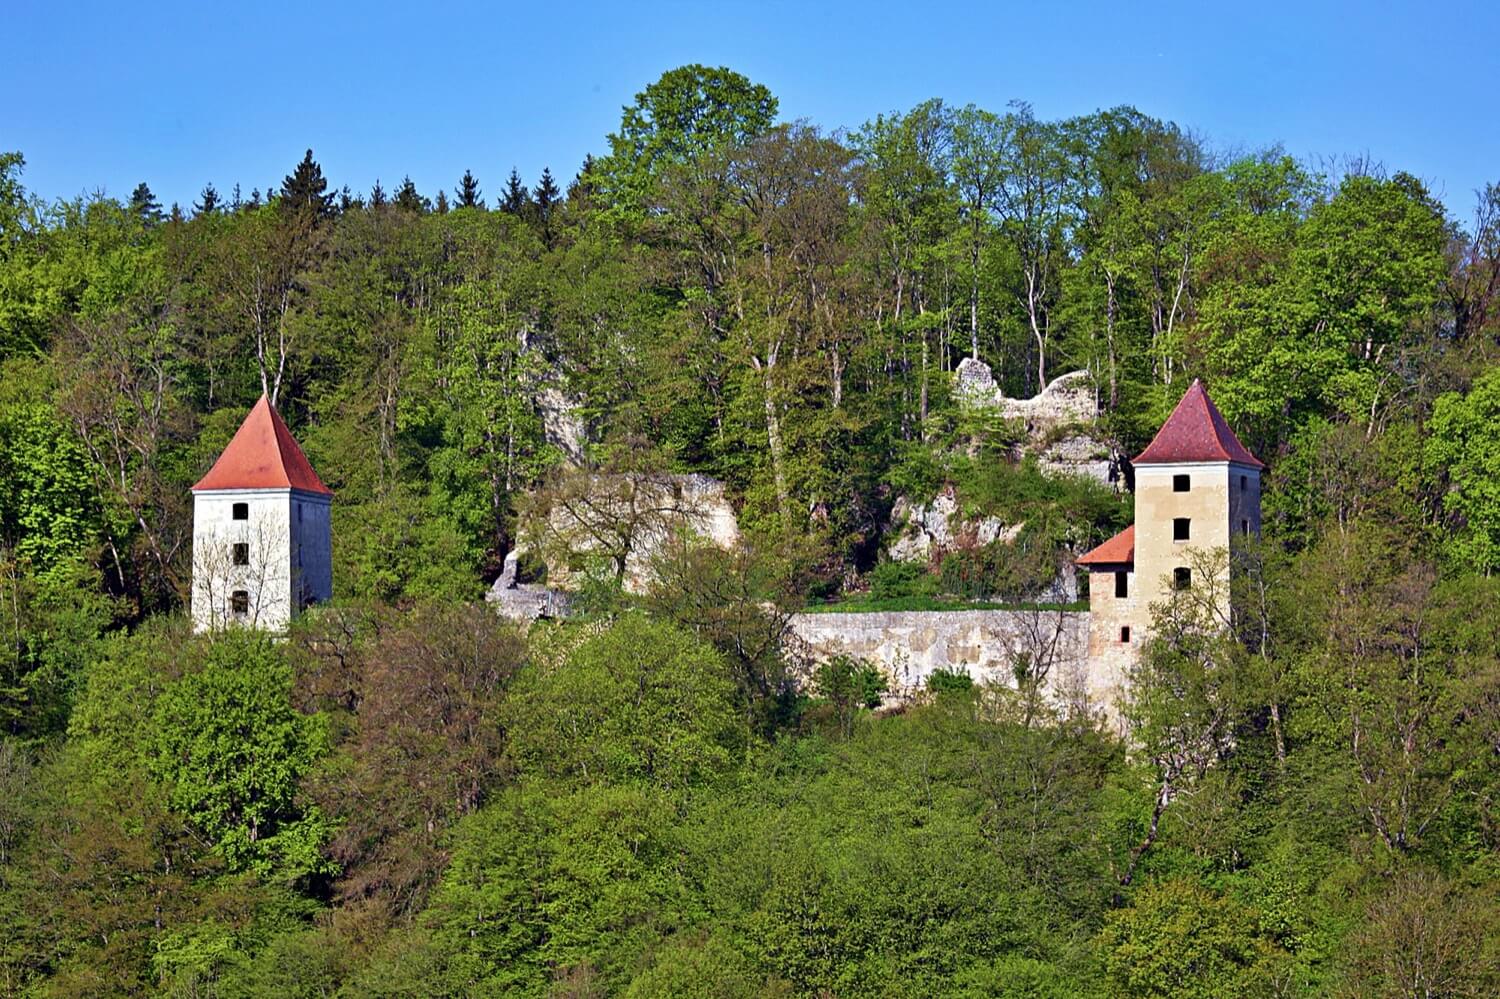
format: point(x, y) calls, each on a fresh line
point(407, 795)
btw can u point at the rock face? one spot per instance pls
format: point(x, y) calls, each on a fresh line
point(659, 506)
point(561, 425)
point(524, 601)
point(927, 528)
point(909, 646)
point(1080, 454)
point(1067, 400)
point(1058, 421)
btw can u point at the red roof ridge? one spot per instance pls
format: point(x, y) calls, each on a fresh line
point(1196, 431)
point(1118, 550)
point(263, 454)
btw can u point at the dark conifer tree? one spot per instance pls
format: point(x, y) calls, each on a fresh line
point(583, 181)
point(517, 198)
point(546, 203)
point(254, 201)
point(347, 200)
point(145, 205)
point(176, 214)
point(468, 192)
point(441, 205)
point(208, 201)
point(305, 189)
point(377, 195)
point(236, 203)
point(408, 199)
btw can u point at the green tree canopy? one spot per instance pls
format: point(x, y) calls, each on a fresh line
point(230, 749)
point(688, 112)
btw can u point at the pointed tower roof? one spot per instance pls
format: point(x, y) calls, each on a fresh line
point(1196, 432)
point(1118, 550)
point(263, 455)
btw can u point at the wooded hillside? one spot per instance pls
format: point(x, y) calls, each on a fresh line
point(410, 797)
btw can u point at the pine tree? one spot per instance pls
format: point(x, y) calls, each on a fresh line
point(583, 182)
point(236, 203)
point(377, 195)
point(546, 202)
point(468, 192)
point(347, 200)
point(305, 189)
point(254, 201)
point(144, 204)
point(408, 199)
point(208, 201)
point(176, 214)
point(441, 205)
point(517, 198)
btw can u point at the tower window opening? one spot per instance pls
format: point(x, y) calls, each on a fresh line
point(299, 513)
point(1122, 585)
point(1181, 527)
point(1245, 528)
point(1244, 482)
point(1182, 578)
point(1181, 483)
point(1125, 633)
point(239, 603)
point(241, 554)
point(241, 511)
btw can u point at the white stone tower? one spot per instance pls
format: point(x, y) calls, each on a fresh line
point(262, 542)
point(1196, 489)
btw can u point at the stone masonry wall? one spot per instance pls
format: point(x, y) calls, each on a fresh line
point(910, 645)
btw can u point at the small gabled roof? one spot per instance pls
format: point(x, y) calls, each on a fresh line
point(263, 455)
point(1118, 550)
point(1196, 432)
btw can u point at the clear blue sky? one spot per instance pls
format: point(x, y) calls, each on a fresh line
point(106, 95)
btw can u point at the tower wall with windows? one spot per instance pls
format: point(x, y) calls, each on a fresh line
point(1185, 514)
point(259, 556)
point(242, 558)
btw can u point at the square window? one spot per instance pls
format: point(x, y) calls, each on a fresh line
point(1182, 578)
point(239, 603)
point(241, 511)
point(1122, 585)
point(1125, 633)
point(1181, 483)
point(241, 554)
point(1180, 528)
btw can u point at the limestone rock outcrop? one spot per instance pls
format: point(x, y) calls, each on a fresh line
point(1059, 421)
point(524, 601)
point(1068, 399)
point(925, 528)
point(648, 510)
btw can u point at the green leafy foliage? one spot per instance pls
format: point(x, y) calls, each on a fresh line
point(638, 701)
point(230, 749)
point(848, 685)
point(1177, 939)
point(1464, 448)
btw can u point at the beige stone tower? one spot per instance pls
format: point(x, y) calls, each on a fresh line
point(1196, 488)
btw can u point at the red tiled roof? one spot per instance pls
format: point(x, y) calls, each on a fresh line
point(1195, 432)
point(263, 455)
point(1118, 550)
